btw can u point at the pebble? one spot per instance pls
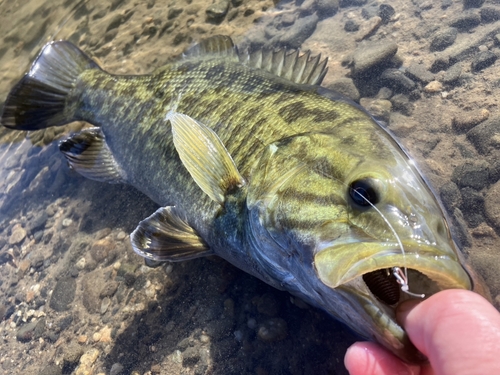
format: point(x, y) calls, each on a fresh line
point(351, 26)
point(217, 11)
point(121, 235)
point(63, 294)
point(396, 80)
point(433, 87)
point(443, 39)
point(31, 331)
point(327, 8)
point(38, 221)
point(472, 174)
point(272, 330)
point(105, 305)
point(466, 21)
point(51, 370)
point(368, 28)
point(419, 72)
point(369, 55)
point(483, 60)
point(190, 356)
point(67, 222)
point(386, 11)
point(109, 289)
point(401, 103)
point(72, 354)
point(453, 73)
point(484, 230)
point(489, 14)
point(80, 264)
point(18, 234)
point(465, 121)
point(473, 3)
point(346, 87)
point(486, 135)
point(116, 369)
point(492, 209)
point(101, 249)
point(379, 108)
point(86, 362)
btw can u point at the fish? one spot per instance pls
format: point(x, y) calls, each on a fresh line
point(252, 160)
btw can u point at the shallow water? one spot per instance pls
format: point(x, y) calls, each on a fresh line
point(70, 283)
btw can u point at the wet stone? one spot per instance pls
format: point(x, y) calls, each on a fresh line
point(109, 289)
point(463, 122)
point(402, 104)
point(31, 331)
point(63, 294)
point(453, 73)
point(274, 329)
point(473, 3)
point(419, 72)
point(115, 22)
point(18, 234)
point(298, 32)
point(490, 14)
point(471, 174)
point(369, 55)
point(38, 221)
point(174, 12)
point(443, 39)
point(116, 369)
point(466, 21)
point(396, 80)
point(327, 8)
point(472, 206)
point(346, 87)
point(486, 135)
point(218, 10)
point(386, 11)
point(101, 249)
point(351, 26)
point(492, 209)
point(379, 108)
point(483, 60)
point(190, 356)
point(72, 354)
point(51, 370)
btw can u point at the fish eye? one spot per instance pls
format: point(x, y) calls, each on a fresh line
point(363, 192)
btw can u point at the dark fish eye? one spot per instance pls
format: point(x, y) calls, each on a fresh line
point(363, 193)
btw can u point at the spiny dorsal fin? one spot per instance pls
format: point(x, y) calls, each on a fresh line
point(89, 155)
point(218, 45)
point(166, 236)
point(204, 156)
point(296, 67)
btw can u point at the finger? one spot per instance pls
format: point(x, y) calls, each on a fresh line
point(458, 330)
point(368, 358)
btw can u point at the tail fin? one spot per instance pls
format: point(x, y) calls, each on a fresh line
point(39, 99)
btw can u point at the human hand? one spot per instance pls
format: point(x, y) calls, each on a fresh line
point(458, 330)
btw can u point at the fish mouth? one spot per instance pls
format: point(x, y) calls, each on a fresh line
point(364, 273)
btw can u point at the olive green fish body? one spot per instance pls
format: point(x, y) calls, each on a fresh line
point(253, 161)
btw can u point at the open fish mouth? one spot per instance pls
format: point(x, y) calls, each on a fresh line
point(373, 277)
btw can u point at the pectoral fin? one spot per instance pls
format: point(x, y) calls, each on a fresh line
point(166, 236)
point(89, 155)
point(204, 156)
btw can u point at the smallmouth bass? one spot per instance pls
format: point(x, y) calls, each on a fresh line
point(253, 161)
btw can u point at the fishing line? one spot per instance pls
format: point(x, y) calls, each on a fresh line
point(401, 276)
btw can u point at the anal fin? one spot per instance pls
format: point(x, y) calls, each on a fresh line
point(89, 155)
point(165, 236)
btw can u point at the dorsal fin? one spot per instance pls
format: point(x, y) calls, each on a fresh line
point(292, 65)
point(217, 45)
